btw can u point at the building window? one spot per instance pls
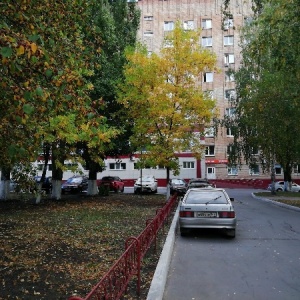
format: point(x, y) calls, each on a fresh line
point(117, 166)
point(148, 33)
point(228, 40)
point(296, 169)
point(254, 170)
point(230, 95)
point(209, 132)
point(210, 150)
point(229, 76)
point(208, 77)
point(228, 59)
point(228, 23)
point(248, 21)
point(188, 25)
point(148, 18)
point(207, 41)
point(230, 112)
point(233, 170)
point(278, 170)
point(229, 131)
point(188, 165)
point(209, 94)
point(168, 25)
point(206, 24)
point(229, 149)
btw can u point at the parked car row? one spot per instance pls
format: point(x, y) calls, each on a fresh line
point(180, 186)
point(147, 183)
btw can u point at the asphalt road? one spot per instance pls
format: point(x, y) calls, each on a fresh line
point(262, 262)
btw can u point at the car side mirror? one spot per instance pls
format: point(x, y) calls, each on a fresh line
point(231, 199)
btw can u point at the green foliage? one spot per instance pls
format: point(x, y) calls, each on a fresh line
point(164, 103)
point(268, 103)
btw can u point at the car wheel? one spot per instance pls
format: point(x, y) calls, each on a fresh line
point(279, 190)
point(122, 190)
point(230, 233)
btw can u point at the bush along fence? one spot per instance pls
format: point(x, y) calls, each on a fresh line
point(114, 283)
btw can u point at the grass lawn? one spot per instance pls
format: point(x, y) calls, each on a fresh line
point(56, 249)
point(290, 198)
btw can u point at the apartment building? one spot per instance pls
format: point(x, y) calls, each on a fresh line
point(221, 34)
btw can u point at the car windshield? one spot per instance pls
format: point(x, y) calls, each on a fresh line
point(177, 181)
point(145, 179)
point(74, 180)
point(108, 178)
point(205, 197)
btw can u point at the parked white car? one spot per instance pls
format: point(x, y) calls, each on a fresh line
point(279, 187)
point(145, 184)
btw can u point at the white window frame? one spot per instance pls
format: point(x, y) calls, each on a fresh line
point(230, 111)
point(278, 170)
point(253, 171)
point(188, 25)
point(188, 165)
point(230, 94)
point(229, 131)
point(296, 169)
point(206, 41)
point(206, 24)
point(148, 18)
point(228, 59)
point(210, 150)
point(232, 171)
point(169, 25)
point(229, 76)
point(117, 166)
point(208, 77)
point(228, 23)
point(228, 40)
point(209, 132)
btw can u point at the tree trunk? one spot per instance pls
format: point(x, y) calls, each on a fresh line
point(92, 186)
point(5, 184)
point(40, 184)
point(57, 173)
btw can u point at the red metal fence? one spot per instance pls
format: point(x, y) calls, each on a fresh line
point(114, 283)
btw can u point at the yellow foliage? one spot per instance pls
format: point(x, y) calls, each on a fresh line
point(20, 50)
point(33, 47)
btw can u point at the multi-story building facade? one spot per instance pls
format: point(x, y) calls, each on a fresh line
point(220, 34)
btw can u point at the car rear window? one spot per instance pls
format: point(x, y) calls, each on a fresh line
point(177, 181)
point(215, 197)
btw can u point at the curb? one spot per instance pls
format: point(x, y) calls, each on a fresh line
point(159, 280)
point(276, 203)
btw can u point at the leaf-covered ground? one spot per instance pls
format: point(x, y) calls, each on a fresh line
point(57, 249)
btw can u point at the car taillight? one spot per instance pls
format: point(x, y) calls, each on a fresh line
point(226, 214)
point(186, 214)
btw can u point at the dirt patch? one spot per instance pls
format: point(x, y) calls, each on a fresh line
point(59, 248)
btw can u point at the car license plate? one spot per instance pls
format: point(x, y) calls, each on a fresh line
point(207, 215)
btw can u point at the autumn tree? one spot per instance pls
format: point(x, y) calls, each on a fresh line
point(45, 99)
point(165, 104)
point(268, 103)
